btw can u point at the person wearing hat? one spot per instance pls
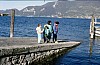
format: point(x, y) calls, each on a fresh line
point(55, 31)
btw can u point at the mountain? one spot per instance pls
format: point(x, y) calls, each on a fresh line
point(61, 9)
point(8, 11)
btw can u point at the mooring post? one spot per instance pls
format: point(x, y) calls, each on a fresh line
point(92, 28)
point(12, 23)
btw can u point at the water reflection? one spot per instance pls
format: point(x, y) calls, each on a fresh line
point(91, 46)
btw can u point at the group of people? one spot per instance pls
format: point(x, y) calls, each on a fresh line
point(47, 32)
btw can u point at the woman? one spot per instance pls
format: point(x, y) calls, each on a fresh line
point(47, 32)
point(50, 30)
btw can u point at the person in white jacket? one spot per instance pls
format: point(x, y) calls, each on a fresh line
point(39, 32)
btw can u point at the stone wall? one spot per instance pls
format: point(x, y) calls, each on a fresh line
point(33, 54)
point(31, 58)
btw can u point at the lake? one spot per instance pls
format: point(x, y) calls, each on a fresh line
point(70, 29)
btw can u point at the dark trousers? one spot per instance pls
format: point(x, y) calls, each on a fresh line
point(46, 38)
point(54, 37)
point(49, 37)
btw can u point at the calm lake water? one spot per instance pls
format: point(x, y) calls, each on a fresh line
point(88, 53)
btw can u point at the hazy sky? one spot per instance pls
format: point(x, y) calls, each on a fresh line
point(20, 4)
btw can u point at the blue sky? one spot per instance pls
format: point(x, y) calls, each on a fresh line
point(20, 4)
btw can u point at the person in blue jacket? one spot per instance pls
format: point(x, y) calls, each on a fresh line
point(55, 31)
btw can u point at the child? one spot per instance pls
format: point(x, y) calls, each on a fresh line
point(39, 32)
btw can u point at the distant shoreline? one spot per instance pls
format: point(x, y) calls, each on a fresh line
point(57, 17)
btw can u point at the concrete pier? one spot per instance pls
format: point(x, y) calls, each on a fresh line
point(26, 50)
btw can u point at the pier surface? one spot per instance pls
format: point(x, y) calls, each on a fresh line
point(26, 51)
point(9, 46)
